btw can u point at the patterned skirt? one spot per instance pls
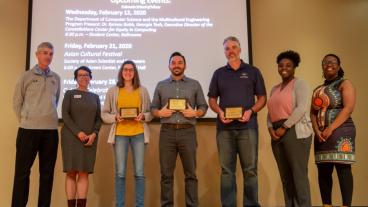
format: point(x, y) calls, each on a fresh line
point(340, 147)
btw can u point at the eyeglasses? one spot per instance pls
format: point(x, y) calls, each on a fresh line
point(83, 75)
point(330, 62)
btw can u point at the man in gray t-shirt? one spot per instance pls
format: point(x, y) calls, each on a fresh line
point(35, 100)
point(178, 101)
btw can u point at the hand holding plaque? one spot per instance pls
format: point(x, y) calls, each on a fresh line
point(233, 112)
point(177, 104)
point(165, 112)
point(129, 112)
point(189, 112)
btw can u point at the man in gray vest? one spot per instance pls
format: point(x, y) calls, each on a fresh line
point(35, 100)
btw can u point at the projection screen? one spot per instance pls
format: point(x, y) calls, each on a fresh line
point(102, 34)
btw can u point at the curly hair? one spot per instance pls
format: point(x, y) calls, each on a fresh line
point(291, 55)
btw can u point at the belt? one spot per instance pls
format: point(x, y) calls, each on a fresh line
point(177, 126)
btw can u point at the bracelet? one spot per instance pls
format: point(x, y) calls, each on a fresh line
point(284, 126)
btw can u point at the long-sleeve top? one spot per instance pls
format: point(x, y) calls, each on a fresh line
point(300, 105)
point(186, 88)
point(35, 99)
point(110, 109)
point(81, 111)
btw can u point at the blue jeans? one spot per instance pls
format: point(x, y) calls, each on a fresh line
point(242, 142)
point(121, 154)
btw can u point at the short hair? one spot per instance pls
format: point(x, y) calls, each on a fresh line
point(231, 38)
point(291, 55)
point(177, 54)
point(45, 45)
point(85, 68)
point(341, 72)
point(136, 80)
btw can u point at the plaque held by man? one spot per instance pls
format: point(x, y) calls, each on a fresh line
point(233, 112)
point(177, 104)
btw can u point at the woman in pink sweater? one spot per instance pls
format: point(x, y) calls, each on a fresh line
point(290, 130)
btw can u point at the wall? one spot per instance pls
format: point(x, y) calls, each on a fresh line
point(12, 57)
point(313, 28)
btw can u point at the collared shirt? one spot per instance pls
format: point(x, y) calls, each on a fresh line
point(237, 88)
point(42, 72)
point(187, 88)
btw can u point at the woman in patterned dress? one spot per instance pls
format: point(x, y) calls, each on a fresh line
point(332, 104)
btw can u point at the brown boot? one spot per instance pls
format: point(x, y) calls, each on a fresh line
point(72, 202)
point(81, 202)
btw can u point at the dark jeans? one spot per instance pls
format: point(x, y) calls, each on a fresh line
point(29, 142)
point(345, 179)
point(174, 142)
point(292, 155)
point(242, 143)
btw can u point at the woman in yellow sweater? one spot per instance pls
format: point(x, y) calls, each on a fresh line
point(128, 130)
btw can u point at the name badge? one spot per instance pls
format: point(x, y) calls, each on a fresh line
point(77, 96)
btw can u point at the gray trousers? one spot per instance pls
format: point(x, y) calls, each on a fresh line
point(173, 142)
point(292, 157)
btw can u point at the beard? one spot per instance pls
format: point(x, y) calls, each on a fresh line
point(177, 71)
point(232, 57)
